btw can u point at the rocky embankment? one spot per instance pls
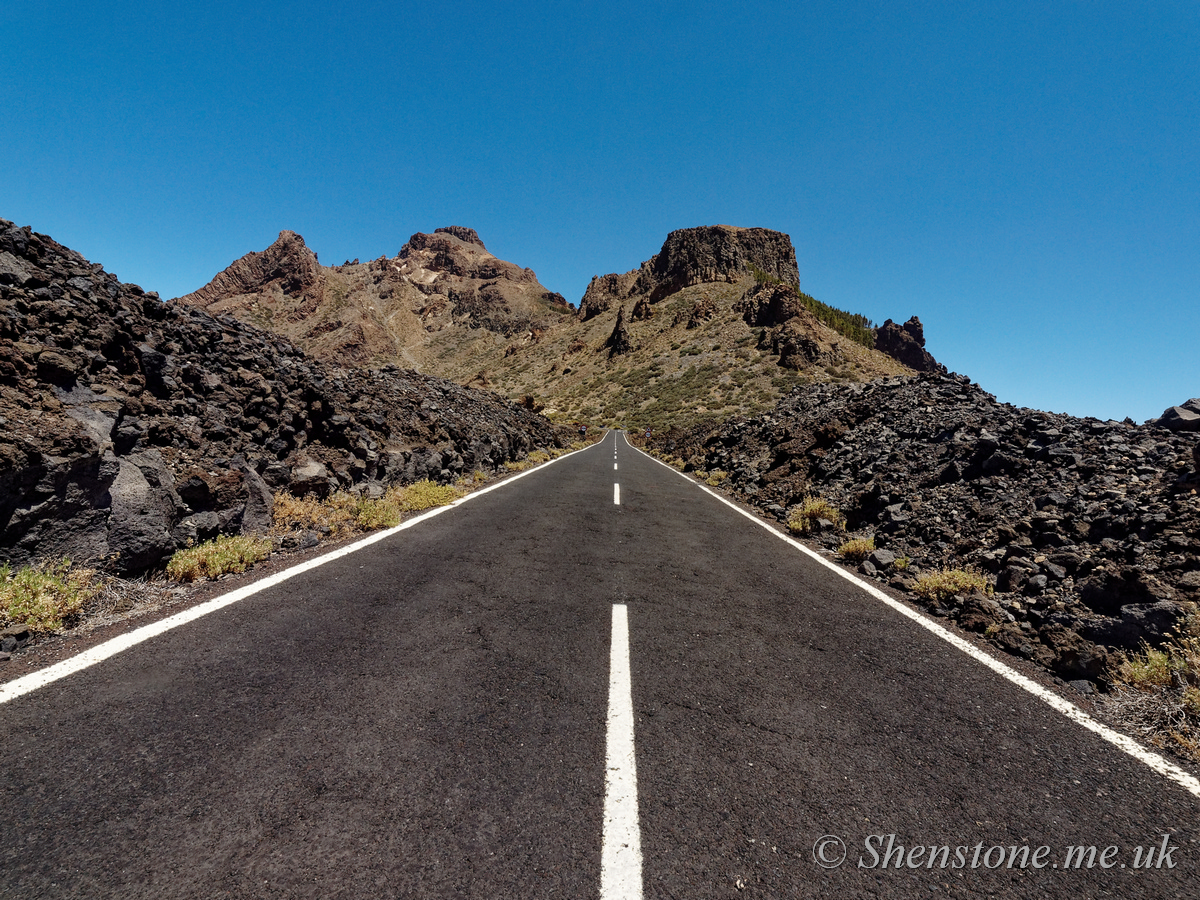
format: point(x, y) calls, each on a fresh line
point(130, 427)
point(1089, 530)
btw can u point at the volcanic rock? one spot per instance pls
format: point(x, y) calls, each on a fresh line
point(1087, 529)
point(132, 426)
point(906, 343)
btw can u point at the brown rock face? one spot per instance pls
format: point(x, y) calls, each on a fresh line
point(693, 256)
point(906, 343)
point(384, 310)
point(717, 253)
point(287, 263)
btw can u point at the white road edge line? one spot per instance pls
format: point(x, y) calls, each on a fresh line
point(1158, 763)
point(616, 494)
point(28, 683)
point(621, 850)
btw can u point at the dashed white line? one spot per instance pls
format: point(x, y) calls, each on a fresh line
point(1159, 764)
point(614, 467)
point(616, 494)
point(621, 850)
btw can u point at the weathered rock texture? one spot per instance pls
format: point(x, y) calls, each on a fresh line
point(385, 310)
point(906, 343)
point(1089, 529)
point(129, 427)
point(693, 256)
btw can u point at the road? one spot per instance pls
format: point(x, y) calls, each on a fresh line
point(431, 716)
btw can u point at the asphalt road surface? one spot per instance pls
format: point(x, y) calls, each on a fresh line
point(431, 716)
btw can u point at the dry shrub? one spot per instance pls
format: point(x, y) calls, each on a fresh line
point(858, 549)
point(1157, 690)
point(44, 596)
point(222, 555)
point(805, 518)
point(946, 583)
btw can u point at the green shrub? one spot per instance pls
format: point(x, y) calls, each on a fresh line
point(804, 518)
point(715, 477)
point(220, 556)
point(44, 596)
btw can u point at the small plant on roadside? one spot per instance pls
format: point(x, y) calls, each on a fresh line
point(901, 563)
point(223, 555)
point(1157, 689)
point(715, 477)
point(806, 518)
point(858, 549)
point(946, 583)
point(45, 596)
point(421, 495)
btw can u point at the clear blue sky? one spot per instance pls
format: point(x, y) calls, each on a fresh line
point(1024, 176)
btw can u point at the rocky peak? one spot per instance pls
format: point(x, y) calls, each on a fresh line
point(455, 251)
point(693, 256)
point(906, 343)
point(467, 235)
point(287, 264)
point(719, 253)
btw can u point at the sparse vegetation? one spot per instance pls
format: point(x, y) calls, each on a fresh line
point(343, 514)
point(44, 597)
point(1157, 690)
point(806, 518)
point(715, 477)
point(858, 549)
point(946, 583)
point(224, 554)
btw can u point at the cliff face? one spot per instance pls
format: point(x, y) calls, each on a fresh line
point(691, 256)
point(131, 427)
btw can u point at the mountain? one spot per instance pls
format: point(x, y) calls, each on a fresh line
point(440, 290)
point(712, 325)
point(132, 426)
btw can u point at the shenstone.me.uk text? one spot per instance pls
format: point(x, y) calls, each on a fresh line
point(883, 851)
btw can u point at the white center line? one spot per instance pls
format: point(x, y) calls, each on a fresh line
point(621, 852)
point(617, 494)
point(614, 467)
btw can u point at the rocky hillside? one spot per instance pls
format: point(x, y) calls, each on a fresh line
point(129, 427)
point(440, 291)
point(1089, 530)
point(712, 325)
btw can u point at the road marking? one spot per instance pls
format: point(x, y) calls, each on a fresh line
point(34, 680)
point(621, 851)
point(1159, 764)
point(614, 467)
point(617, 494)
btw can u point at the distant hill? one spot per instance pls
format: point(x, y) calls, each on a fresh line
point(712, 325)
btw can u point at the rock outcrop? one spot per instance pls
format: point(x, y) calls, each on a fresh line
point(619, 341)
point(906, 344)
point(693, 256)
point(1089, 530)
point(384, 310)
point(129, 427)
point(1185, 417)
